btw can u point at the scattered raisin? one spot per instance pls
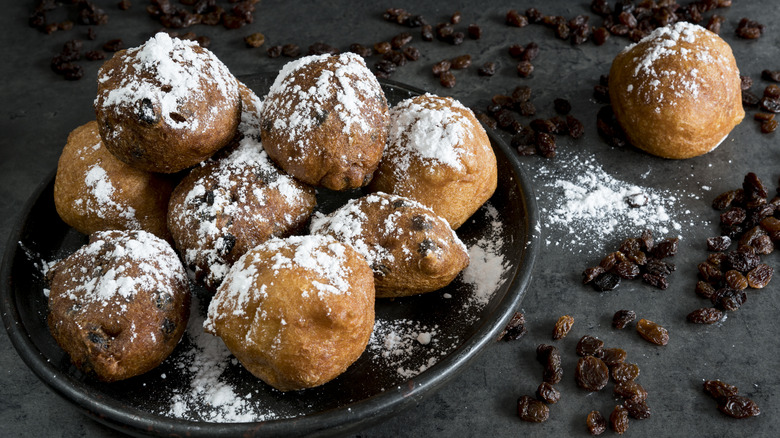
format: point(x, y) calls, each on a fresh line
point(618, 420)
point(515, 328)
point(547, 393)
point(596, 423)
point(461, 62)
point(447, 79)
point(720, 390)
point(474, 31)
point(613, 356)
point(514, 18)
point(606, 282)
point(532, 410)
point(589, 346)
point(652, 332)
point(487, 69)
point(630, 390)
point(637, 409)
point(749, 29)
point(622, 318)
point(770, 75)
point(759, 276)
point(591, 374)
point(550, 357)
point(705, 315)
point(624, 372)
point(738, 406)
point(524, 69)
point(254, 40)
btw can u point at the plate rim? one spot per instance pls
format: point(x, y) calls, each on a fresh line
point(345, 418)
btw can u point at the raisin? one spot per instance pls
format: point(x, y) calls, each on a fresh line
point(426, 32)
point(514, 18)
point(749, 99)
point(752, 187)
point(719, 243)
point(447, 79)
point(705, 315)
point(772, 91)
point(547, 393)
point(618, 420)
point(610, 260)
point(320, 48)
point(613, 356)
point(516, 50)
point(441, 66)
point(749, 29)
point(532, 410)
point(487, 69)
point(652, 332)
point(735, 280)
point(114, 45)
point(622, 318)
point(601, 93)
point(545, 144)
point(530, 52)
point(714, 23)
point(411, 53)
point(720, 390)
point(562, 327)
point(637, 409)
point(589, 346)
point(624, 372)
point(647, 240)
point(592, 374)
point(382, 47)
point(274, 51)
point(759, 276)
point(576, 128)
point(655, 280)
point(521, 93)
point(730, 299)
point(666, 248)
point(254, 40)
point(704, 289)
point(600, 35)
point(550, 357)
point(524, 69)
point(515, 328)
point(461, 62)
point(725, 200)
point(600, 7)
point(768, 126)
point(745, 82)
point(606, 282)
point(596, 423)
point(291, 50)
point(630, 390)
point(769, 104)
point(738, 406)
point(769, 75)
point(709, 273)
point(401, 40)
point(474, 31)
point(742, 260)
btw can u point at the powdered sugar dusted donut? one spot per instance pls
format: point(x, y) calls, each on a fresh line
point(438, 154)
point(120, 304)
point(93, 191)
point(676, 93)
point(296, 312)
point(166, 105)
point(227, 206)
point(325, 121)
point(410, 249)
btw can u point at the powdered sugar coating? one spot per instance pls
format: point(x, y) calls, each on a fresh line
point(130, 261)
point(167, 71)
point(681, 42)
point(322, 256)
point(337, 90)
point(428, 130)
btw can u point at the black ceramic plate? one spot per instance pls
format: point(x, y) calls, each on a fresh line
point(371, 389)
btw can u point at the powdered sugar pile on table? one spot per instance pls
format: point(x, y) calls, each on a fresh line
point(578, 196)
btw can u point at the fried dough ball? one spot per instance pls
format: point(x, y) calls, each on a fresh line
point(676, 93)
point(119, 305)
point(166, 105)
point(325, 121)
point(296, 312)
point(222, 209)
point(93, 191)
point(438, 154)
point(409, 248)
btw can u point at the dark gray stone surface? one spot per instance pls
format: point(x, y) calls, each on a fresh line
point(39, 109)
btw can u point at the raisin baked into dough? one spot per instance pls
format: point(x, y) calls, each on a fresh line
point(438, 154)
point(325, 121)
point(119, 305)
point(93, 191)
point(676, 93)
point(409, 248)
point(296, 312)
point(166, 105)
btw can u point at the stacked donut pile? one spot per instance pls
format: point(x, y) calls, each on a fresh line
point(182, 155)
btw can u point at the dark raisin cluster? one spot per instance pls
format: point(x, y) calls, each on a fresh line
point(729, 400)
point(769, 102)
point(753, 221)
point(639, 257)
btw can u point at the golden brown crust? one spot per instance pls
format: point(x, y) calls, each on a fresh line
point(677, 92)
point(296, 312)
point(325, 121)
point(439, 155)
point(119, 305)
point(166, 105)
point(226, 207)
point(409, 248)
point(93, 191)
